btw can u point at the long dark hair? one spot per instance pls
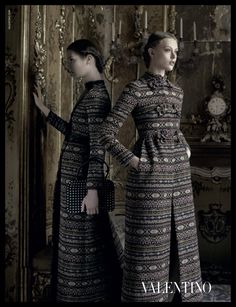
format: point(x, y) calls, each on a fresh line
point(84, 47)
point(153, 40)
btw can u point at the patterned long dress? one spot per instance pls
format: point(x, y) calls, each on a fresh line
point(159, 192)
point(85, 266)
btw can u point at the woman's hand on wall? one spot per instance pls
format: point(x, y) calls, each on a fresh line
point(90, 202)
point(38, 98)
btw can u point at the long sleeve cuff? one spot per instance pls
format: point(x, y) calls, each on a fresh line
point(122, 154)
point(126, 157)
point(95, 175)
point(57, 122)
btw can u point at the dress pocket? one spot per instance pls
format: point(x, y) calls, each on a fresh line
point(139, 165)
point(135, 170)
point(144, 165)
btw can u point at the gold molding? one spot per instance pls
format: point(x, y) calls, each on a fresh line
point(222, 172)
point(107, 70)
point(10, 81)
point(171, 19)
point(61, 25)
point(41, 280)
point(40, 54)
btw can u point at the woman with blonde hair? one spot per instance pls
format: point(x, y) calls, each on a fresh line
point(160, 225)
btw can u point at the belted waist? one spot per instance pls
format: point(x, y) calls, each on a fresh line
point(163, 135)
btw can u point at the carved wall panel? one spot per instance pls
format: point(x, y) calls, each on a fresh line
point(212, 190)
point(12, 180)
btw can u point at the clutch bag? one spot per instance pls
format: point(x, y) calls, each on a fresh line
point(76, 190)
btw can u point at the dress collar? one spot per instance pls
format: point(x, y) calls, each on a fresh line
point(155, 80)
point(91, 84)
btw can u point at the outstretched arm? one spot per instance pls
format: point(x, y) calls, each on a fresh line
point(53, 119)
point(57, 122)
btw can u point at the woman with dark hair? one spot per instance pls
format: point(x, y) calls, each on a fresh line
point(85, 267)
point(161, 243)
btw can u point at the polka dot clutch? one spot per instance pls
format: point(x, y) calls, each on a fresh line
point(77, 189)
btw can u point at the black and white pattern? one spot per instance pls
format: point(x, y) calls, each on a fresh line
point(161, 188)
point(85, 266)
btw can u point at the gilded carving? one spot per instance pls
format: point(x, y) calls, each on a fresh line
point(39, 54)
point(41, 281)
point(108, 69)
point(60, 25)
point(171, 19)
point(214, 224)
point(10, 227)
point(10, 88)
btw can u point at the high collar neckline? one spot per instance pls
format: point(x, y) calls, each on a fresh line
point(151, 75)
point(156, 80)
point(90, 84)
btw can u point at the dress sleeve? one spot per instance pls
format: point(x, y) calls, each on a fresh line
point(115, 120)
point(96, 112)
point(57, 122)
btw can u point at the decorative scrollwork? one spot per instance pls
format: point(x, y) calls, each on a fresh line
point(129, 53)
point(61, 25)
point(107, 69)
point(40, 284)
point(39, 55)
point(171, 21)
point(214, 224)
point(10, 87)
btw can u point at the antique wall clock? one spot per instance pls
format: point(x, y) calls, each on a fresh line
point(217, 109)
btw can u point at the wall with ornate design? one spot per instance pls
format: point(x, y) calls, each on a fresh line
point(36, 40)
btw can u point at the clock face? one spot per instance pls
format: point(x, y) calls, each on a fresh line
point(216, 106)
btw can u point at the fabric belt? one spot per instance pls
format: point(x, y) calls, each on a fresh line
point(164, 135)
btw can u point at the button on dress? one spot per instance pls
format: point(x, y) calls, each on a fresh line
point(157, 192)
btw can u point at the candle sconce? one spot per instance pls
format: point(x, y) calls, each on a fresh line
point(135, 48)
point(131, 52)
point(184, 63)
point(191, 62)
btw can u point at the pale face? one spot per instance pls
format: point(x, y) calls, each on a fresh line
point(164, 54)
point(78, 65)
